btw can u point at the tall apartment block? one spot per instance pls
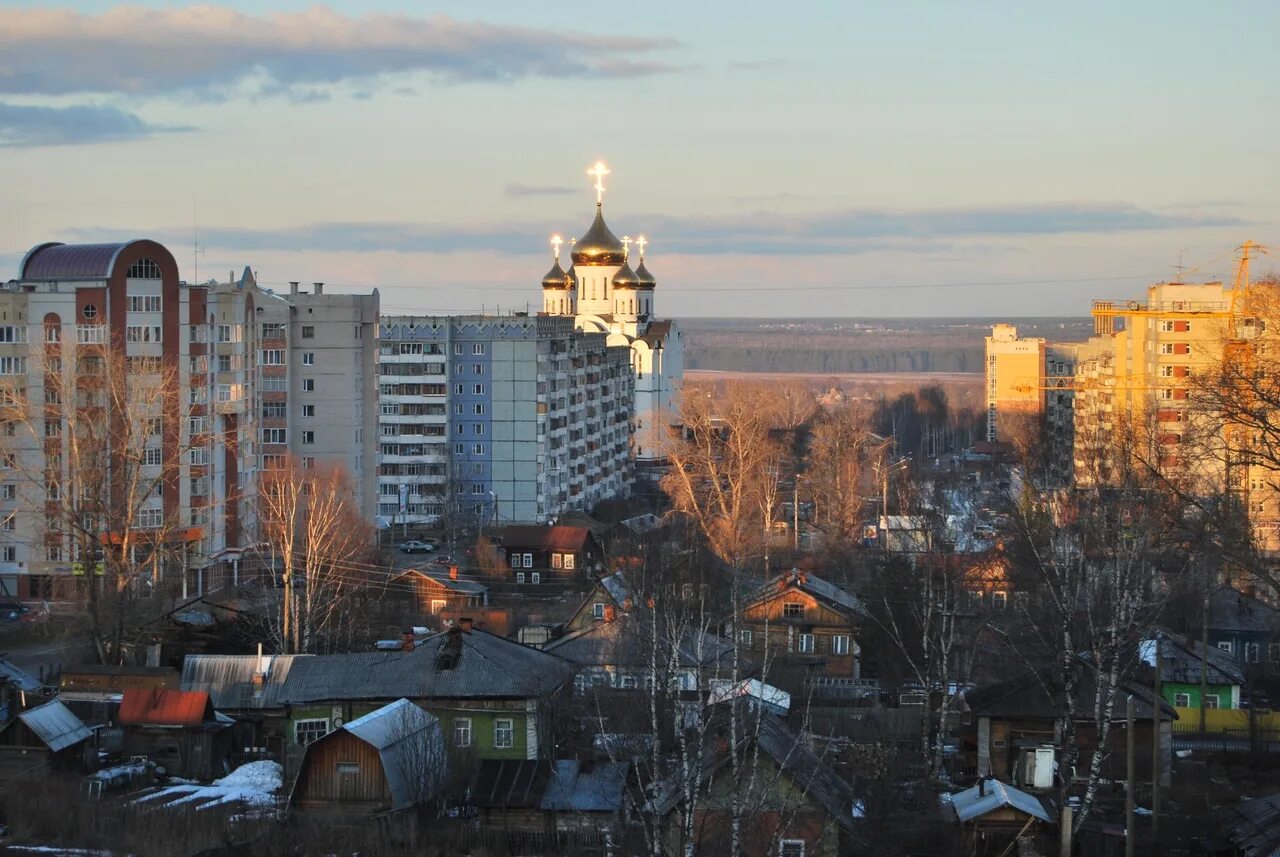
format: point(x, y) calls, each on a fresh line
point(1015, 381)
point(500, 418)
point(213, 355)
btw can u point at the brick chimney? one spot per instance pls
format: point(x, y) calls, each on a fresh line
point(407, 642)
point(609, 612)
point(453, 572)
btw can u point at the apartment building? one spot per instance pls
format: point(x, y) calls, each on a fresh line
point(500, 419)
point(110, 365)
point(1015, 382)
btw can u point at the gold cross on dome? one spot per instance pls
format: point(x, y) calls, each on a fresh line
point(599, 171)
point(556, 241)
point(640, 242)
point(626, 246)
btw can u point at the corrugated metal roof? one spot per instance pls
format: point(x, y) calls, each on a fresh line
point(56, 261)
point(20, 678)
point(626, 641)
point(509, 783)
point(1233, 610)
point(488, 666)
point(585, 787)
point(970, 803)
point(162, 707)
point(1253, 826)
point(228, 679)
point(411, 746)
point(55, 725)
point(469, 587)
point(810, 583)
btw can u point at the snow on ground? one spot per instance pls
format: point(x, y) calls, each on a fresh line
point(253, 784)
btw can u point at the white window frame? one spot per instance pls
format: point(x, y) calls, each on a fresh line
point(1212, 701)
point(597, 610)
point(839, 644)
point(519, 577)
point(569, 561)
point(808, 644)
point(310, 722)
point(462, 732)
point(556, 561)
point(1182, 700)
point(509, 729)
point(784, 844)
point(535, 578)
point(308, 358)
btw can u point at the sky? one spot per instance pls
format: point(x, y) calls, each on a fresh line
point(863, 158)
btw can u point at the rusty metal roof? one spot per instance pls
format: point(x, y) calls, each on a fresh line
point(160, 707)
point(56, 261)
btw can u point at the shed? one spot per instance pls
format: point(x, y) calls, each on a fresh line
point(177, 729)
point(585, 795)
point(1253, 825)
point(388, 760)
point(991, 798)
point(46, 734)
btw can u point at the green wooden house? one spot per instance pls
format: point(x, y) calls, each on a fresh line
point(494, 698)
point(1180, 659)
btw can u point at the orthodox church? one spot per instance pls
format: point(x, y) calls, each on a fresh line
point(605, 294)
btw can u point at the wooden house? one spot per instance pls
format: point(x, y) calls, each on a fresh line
point(804, 622)
point(793, 802)
point(246, 688)
point(45, 736)
point(432, 591)
point(178, 730)
point(556, 554)
point(94, 692)
point(391, 759)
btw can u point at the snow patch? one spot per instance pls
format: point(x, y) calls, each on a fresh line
point(253, 784)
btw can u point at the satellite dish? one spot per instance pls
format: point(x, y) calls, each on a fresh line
point(337, 722)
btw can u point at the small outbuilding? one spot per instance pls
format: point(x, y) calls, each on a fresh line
point(389, 760)
point(46, 735)
point(992, 815)
point(178, 730)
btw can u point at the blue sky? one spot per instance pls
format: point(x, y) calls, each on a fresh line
point(865, 158)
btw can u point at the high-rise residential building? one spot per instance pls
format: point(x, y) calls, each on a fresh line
point(136, 402)
point(602, 293)
point(1015, 383)
point(500, 419)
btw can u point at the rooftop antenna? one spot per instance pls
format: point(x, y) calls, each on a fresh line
point(1179, 268)
point(196, 250)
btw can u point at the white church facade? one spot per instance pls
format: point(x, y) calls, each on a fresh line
point(604, 294)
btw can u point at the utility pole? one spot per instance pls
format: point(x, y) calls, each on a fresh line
point(1129, 832)
point(1064, 849)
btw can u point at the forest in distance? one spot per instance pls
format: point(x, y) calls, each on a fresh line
point(840, 346)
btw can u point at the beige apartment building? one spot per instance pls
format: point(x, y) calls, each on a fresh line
point(206, 371)
point(1015, 382)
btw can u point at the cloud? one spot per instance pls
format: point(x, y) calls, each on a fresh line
point(515, 190)
point(27, 126)
point(844, 232)
point(215, 52)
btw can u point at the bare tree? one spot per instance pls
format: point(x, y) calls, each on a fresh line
point(842, 452)
point(309, 520)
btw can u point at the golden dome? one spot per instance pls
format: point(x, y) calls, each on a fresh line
point(626, 278)
point(643, 276)
point(599, 246)
point(556, 278)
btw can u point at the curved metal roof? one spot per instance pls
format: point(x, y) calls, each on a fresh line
point(55, 261)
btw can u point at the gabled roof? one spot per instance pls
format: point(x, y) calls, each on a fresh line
point(1025, 696)
point(626, 642)
point(19, 678)
point(577, 786)
point(1233, 610)
point(441, 577)
point(992, 795)
point(559, 537)
point(1253, 825)
point(229, 679)
point(811, 776)
point(55, 725)
point(487, 666)
point(162, 707)
point(411, 746)
point(1181, 656)
point(808, 582)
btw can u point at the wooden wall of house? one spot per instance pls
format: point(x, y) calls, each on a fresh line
point(320, 784)
point(783, 631)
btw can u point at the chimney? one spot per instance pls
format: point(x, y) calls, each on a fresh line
point(259, 674)
point(319, 288)
point(453, 572)
point(465, 624)
point(293, 287)
point(407, 643)
point(627, 604)
point(609, 611)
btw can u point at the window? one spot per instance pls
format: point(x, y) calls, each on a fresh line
point(1182, 700)
point(347, 769)
point(53, 333)
point(457, 389)
point(308, 331)
point(478, 449)
point(151, 457)
point(568, 561)
point(308, 437)
point(13, 365)
point(806, 644)
point(519, 574)
point(199, 486)
point(597, 610)
point(745, 637)
point(1252, 653)
point(462, 731)
point(999, 600)
point(504, 733)
point(792, 610)
point(9, 553)
point(273, 331)
point(274, 410)
point(555, 561)
point(143, 269)
point(1226, 646)
point(457, 348)
point(89, 311)
point(308, 410)
point(308, 385)
point(477, 348)
point(1211, 700)
point(9, 491)
point(144, 303)
point(9, 333)
point(228, 333)
point(308, 358)
point(528, 560)
point(308, 462)
point(840, 644)
point(477, 368)
point(306, 731)
point(478, 408)
point(478, 428)
point(275, 435)
point(150, 519)
point(437, 604)
point(478, 390)
point(271, 357)
point(791, 848)
point(535, 578)
point(10, 523)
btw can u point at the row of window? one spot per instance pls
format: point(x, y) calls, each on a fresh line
point(279, 435)
point(504, 732)
point(805, 644)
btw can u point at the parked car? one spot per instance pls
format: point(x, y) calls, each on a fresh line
point(415, 546)
point(12, 610)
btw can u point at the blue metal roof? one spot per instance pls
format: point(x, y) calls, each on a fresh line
point(55, 261)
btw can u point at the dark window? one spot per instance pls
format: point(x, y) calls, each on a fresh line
point(144, 269)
